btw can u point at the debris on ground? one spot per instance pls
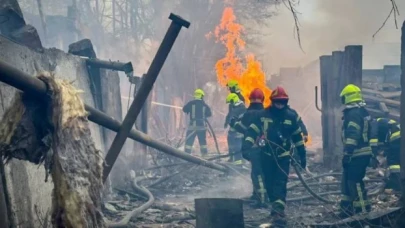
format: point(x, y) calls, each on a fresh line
point(176, 184)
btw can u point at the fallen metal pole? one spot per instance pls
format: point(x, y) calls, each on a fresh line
point(37, 88)
point(143, 92)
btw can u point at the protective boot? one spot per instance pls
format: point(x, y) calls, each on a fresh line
point(346, 209)
point(278, 220)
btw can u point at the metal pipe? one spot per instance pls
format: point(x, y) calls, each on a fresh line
point(119, 66)
point(316, 99)
point(37, 88)
point(144, 90)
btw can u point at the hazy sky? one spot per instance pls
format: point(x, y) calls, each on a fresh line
point(329, 25)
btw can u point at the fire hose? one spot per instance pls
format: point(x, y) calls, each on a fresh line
point(265, 142)
point(136, 211)
point(211, 132)
point(304, 183)
point(213, 135)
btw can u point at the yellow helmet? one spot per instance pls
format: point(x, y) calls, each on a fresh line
point(351, 93)
point(199, 94)
point(232, 83)
point(232, 98)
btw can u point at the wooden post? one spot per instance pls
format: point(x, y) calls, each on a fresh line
point(402, 114)
point(334, 88)
point(353, 65)
point(325, 71)
point(219, 213)
point(346, 68)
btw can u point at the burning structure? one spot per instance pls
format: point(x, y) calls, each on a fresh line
point(75, 163)
point(247, 70)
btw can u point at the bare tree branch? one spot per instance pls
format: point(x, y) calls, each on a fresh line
point(395, 11)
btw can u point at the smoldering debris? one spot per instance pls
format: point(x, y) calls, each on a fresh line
point(55, 131)
point(174, 197)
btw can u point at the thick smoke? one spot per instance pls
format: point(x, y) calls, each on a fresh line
point(328, 25)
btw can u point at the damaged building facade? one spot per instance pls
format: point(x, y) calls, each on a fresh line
point(26, 194)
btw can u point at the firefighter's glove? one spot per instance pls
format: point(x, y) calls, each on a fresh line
point(305, 137)
point(225, 125)
point(347, 158)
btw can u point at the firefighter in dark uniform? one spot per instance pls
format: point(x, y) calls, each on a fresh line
point(233, 87)
point(303, 128)
point(386, 135)
point(357, 152)
point(237, 108)
point(198, 111)
point(279, 130)
point(259, 194)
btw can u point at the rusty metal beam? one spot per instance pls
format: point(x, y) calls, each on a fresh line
point(37, 88)
point(144, 90)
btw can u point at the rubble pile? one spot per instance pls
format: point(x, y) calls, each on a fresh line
point(174, 196)
point(383, 100)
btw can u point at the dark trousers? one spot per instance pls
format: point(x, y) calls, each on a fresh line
point(202, 139)
point(234, 145)
point(393, 161)
point(354, 195)
point(275, 171)
point(259, 189)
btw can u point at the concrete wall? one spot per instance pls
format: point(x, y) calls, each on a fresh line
point(30, 195)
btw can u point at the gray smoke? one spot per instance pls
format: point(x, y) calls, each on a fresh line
point(328, 25)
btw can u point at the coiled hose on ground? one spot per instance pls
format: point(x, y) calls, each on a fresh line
point(124, 221)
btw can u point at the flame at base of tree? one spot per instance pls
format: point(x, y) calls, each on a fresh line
point(247, 70)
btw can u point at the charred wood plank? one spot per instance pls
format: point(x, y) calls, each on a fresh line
point(325, 70)
point(378, 113)
point(335, 85)
point(353, 65)
point(381, 218)
point(388, 102)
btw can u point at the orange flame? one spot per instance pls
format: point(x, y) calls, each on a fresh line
point(249, 77)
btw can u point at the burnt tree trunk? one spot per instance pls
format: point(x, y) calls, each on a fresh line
point(219, 213)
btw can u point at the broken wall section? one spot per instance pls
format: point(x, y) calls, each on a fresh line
point(30, 196)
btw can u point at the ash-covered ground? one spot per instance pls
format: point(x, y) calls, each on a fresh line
point(175, 187)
